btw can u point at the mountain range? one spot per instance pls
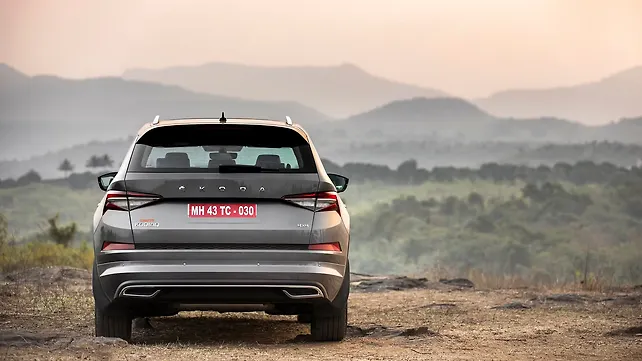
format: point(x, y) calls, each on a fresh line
point(606, 100)
point(338, 91)
point(42, 114)
point(346, 90)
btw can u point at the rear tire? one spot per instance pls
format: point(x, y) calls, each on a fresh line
point(330, 323)
point(331, 326)
point(109, 322)
point(113, 324)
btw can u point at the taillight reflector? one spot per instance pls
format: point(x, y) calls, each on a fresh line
point(333, 247)
point(126, 201)
point(318, 202)
point(109, 246)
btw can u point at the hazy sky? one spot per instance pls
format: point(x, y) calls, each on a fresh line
point(465, 47)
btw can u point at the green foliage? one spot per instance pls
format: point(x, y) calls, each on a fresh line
point(543, 236)
point(15, 256)
point(102, 161)
point(43, 254)
point(476, 200)
point(65, 167)
point(4, 230)
point(544, 224)
point(28, 208)
point(62, 235)
point(580, 173)
point(630, 195)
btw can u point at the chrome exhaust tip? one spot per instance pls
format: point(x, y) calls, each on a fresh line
point(139, 292)
point(302, 292)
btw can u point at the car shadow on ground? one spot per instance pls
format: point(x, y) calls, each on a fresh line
point(217, 330)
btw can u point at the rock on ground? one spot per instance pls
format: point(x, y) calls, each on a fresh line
point(458, 282)
point(51, 275)
point(512, 306)
point(18, 338)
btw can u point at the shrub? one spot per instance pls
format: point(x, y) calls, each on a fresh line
point(14, 257)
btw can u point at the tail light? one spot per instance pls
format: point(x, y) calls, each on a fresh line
point(112, 246)
point(318, 202)
point(126, 201)
point(333, 247)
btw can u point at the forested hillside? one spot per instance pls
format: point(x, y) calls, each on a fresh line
point(519, 223)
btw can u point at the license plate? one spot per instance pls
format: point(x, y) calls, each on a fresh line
point(221, 210)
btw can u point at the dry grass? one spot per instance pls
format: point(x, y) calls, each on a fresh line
point(43, 254)
point(458, 325)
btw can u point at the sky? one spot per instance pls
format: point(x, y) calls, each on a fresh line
point(469, 48)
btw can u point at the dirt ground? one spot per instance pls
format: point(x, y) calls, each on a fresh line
point(48, 315)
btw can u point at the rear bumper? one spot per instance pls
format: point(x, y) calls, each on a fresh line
point(221, 276)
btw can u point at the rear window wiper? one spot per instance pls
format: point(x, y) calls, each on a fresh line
point(241, 168)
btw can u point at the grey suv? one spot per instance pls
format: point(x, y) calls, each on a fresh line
point(226, 215)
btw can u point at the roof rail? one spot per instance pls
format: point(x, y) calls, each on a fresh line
point(156, 120)
point(288, 121)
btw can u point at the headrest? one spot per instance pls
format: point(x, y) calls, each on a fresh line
point(220, 156)
point(177, 156)
point(269, 161)
point(174, 160)
point(162, 163)
point(218, 159)
point(268, 158)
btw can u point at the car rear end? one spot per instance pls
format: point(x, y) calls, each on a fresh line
point(236, 216)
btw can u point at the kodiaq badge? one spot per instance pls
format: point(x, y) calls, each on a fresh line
point(145, 223)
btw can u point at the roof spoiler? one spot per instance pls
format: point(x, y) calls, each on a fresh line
point(222, 119)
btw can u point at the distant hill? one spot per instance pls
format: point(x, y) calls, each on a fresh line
point(339, 91)
point(416, 119)
point(435, 132)
point(599, 102)
point(453, 119)
point(42, 113)
point(47, 164)
point(626, 155)
point(424, 110)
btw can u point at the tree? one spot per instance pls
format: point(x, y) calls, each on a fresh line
point(93, 162)
point(531, 191)
point(107, 161)
point(407, 170)
point(475, 199)
point(449, 206)
point(102, 161)
point(61, 234)
point(66, 167)
point(30, 177)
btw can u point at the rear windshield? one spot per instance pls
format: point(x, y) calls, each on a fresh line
point(222, 148)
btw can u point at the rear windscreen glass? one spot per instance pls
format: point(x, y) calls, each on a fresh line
point(208, 148)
